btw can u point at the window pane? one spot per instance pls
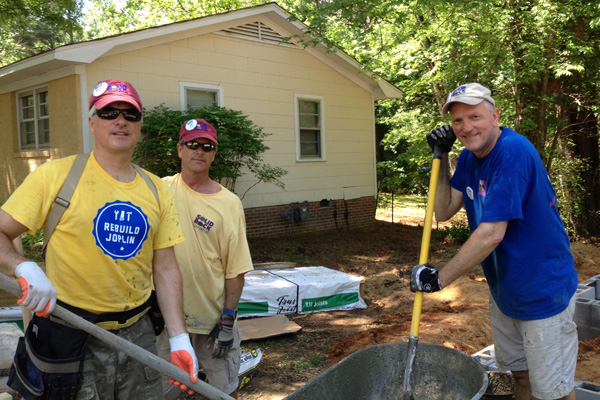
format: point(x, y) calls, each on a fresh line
point(44, 131)
point(200, 98)
point(309, 136)
point(308, 107)
point(309, 150)
point(28, 134)
point(309, 121)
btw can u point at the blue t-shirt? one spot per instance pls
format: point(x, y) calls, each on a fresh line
point(531, 273)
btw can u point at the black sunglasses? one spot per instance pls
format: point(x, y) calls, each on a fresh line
point(130, 114)
point(206, 147)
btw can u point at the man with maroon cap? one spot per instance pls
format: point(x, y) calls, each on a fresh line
point(114, 242)
point(214, 257)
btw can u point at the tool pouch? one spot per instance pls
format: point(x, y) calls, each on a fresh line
point(48, 362)
point(158, 323)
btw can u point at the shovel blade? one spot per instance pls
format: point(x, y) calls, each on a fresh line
point(411, 355)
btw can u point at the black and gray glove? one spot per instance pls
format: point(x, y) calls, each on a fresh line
point(221, 337)
point(442, 137)
point(424, 278)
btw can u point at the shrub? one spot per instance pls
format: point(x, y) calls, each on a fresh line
point(240, 145)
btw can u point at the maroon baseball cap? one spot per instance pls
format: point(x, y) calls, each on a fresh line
point(112, 91)
point(196, 129)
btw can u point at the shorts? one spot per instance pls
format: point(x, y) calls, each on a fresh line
point(547, 348)
point(221, 373)
point(109, 373)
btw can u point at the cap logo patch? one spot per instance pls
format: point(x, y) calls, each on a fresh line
point(100, 89)
point(117, 88)
point(458, 90)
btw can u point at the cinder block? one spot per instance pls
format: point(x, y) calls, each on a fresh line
point(593, 282)
point(585, 292)
point(585, 390)
point(587, 332)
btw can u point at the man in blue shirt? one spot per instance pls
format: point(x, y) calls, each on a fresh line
point(519, 239)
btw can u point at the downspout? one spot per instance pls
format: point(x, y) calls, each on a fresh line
point(84, 97)
point(374, 138)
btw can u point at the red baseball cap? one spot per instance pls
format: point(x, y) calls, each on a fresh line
point(112, 91)
point(196, 129)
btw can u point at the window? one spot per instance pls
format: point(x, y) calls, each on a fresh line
point(310, 143)
point(34, 122)
point(195, 95)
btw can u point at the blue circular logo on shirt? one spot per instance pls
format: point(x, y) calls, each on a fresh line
point(120, 229)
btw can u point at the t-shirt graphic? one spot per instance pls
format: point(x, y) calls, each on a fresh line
point(120, 229)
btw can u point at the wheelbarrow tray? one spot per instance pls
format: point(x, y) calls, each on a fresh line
point(377, 373)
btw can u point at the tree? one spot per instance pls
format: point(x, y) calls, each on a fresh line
point(29, 27)
point(240, 145)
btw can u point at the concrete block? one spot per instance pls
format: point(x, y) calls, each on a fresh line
point(585, 292)
point(585, 390)
point(587, 332)
point(593, 282)
point(587, 312)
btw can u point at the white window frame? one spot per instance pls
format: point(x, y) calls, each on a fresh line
point(321, 101)
point(36, 117)
point(184, 86)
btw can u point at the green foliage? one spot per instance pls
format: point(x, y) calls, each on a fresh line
point(240, 145)
point(32, 245)
point(565, 175)
point(29, 27)
point(458, 229)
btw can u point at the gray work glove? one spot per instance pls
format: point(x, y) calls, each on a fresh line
point(424, 278)
point(221, 337)
point(442, 137)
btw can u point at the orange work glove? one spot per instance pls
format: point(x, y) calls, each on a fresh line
point(39, 295)
point(184, 357)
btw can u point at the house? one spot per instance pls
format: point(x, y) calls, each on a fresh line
point(316, 104)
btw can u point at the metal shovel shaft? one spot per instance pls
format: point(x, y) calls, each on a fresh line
point(413, 341)
point(140, 354)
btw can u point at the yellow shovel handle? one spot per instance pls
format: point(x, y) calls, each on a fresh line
point(435, 172)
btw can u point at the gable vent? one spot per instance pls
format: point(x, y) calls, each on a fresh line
point(256, 31)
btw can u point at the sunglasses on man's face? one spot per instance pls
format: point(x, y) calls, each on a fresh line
point(130, 114)
point(206, 147)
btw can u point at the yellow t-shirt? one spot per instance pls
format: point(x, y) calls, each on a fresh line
point(215, 249)
point(99, 257)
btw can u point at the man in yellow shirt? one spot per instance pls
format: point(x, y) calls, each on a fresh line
point(112, 244)
point(214, 257)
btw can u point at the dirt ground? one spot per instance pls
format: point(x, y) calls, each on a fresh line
point(383, 254)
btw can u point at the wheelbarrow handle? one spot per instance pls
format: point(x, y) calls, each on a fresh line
point(142, 355)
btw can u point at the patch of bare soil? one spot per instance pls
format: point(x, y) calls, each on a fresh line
point(384, 254)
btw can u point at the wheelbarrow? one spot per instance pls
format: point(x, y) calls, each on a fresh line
point(377, 373)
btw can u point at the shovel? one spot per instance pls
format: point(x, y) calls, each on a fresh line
point(413, 340)
point(136, 352)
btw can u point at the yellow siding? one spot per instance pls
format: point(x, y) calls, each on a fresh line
point(65, 132)
point(260, 80)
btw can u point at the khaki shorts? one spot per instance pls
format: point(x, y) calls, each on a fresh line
point(547, 348)
point(221, 373)
point(111, 374)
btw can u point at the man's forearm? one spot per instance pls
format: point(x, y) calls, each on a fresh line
point(168, 284)
point(479, 245)
point(443, 195)
point(233, 291)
